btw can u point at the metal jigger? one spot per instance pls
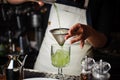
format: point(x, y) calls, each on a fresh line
point(59, 35)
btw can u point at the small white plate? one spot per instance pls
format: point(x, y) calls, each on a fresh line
point(40, 79)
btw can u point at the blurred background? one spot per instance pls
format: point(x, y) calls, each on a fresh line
point(29, 21)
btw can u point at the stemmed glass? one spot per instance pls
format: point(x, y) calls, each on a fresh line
point(60, 53)
point(60, 57)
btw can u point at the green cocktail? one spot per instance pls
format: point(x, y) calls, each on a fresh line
point(60, 58)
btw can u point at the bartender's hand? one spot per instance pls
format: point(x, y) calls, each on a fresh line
point(40, 2)
point(77, 31)
point(80, 32)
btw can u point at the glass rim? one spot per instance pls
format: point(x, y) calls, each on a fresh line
point(52, 30)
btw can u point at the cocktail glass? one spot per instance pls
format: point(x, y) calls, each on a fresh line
point(60, 57)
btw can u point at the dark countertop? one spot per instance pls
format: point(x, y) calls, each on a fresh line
point(29, 73)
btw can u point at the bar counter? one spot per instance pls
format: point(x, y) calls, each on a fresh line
point(30, 73)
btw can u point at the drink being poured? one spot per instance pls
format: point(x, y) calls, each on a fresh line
point(59, 33)
point(60, 53)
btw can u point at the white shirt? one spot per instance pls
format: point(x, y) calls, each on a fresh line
point(68, 16)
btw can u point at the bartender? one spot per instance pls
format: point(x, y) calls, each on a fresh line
point(72, 15)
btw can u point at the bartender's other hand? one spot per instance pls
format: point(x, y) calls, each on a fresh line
point(40, 2)
point(78, 33)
